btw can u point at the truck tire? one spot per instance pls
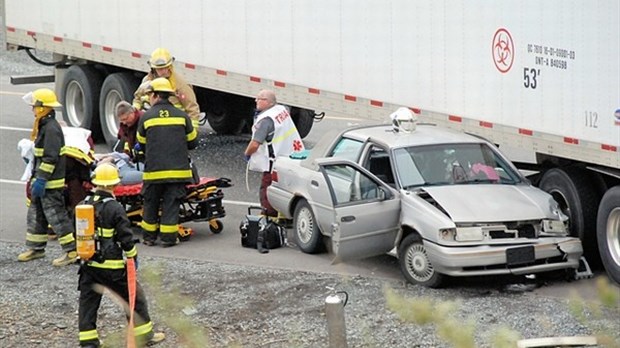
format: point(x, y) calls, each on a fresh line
point(116, 87)
point(228, 114)
point(578, 198)
point(222, 123)
point(415, 264)
point(80, 98)
point(305, 229)
point(304, 119)
point(608, 232)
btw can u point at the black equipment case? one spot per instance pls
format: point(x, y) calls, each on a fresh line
point(274, 235)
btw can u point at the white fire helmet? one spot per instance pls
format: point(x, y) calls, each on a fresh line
point(404, 120)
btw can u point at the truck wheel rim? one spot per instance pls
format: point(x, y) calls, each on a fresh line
point(613, 235)
point(74, 104)
point(418, 264)
point(111, 121)
point(305, 225)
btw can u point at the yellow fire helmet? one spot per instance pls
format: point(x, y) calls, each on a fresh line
point(106, 174)
point(160, 84)
point(42, 97)
point(160, 58)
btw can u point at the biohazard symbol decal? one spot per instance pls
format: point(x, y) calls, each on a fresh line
point(503, 50)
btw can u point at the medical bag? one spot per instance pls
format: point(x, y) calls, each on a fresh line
point(274, 235)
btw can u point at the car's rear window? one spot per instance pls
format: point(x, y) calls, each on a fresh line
point(348, 149)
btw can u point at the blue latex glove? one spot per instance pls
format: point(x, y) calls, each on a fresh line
point(137, 148)
point(37, 189)
point(246, 158)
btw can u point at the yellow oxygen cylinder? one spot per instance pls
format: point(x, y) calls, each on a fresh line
point(85, 230)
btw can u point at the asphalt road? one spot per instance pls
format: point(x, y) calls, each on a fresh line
point(217, 156)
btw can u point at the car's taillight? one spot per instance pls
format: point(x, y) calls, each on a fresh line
point(274, 176)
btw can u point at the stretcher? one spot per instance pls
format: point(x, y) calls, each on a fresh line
point(203, 202)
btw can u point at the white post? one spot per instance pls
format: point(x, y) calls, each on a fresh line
point(336, 328)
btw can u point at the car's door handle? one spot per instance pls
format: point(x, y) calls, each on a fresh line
point(348, 218)
point(314, 183)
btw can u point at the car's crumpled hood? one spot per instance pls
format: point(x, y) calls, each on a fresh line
point(490, 203)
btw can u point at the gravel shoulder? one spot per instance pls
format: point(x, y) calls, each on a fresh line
point(221, 305)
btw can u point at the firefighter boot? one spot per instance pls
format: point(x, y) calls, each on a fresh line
point(170, 244)
point(30, 255)
point(66, 259)
point(157, 337)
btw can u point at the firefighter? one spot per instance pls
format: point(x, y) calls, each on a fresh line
point(165, 134)
point(183, 96)
point(80, 156)
point(47, 206)
point(107, 267)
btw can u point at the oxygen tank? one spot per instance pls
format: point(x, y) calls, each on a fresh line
point(85, 231)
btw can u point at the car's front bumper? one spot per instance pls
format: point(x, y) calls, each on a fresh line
point(550, 254)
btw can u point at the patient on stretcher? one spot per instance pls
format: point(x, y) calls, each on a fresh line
point(130, 173)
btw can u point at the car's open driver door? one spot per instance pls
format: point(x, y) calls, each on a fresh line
point(366, 211)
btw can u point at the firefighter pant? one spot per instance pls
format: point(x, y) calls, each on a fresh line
point(169, 197)
point(264, 202)
point(114, 280)
point(49, 210)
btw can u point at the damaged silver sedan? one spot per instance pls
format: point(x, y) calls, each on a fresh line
point(445, 203)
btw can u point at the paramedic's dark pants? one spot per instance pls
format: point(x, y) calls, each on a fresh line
point(169, 196)
point(267, 208)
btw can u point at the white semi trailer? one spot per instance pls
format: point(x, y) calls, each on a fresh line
point(541, 79)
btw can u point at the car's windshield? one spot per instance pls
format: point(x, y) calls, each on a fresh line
point(451, 164)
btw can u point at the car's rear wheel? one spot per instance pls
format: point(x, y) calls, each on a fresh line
point(415, 264)
point(307, 234)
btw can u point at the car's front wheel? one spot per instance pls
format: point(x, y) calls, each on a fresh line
point(307, 234)
point(415, 264)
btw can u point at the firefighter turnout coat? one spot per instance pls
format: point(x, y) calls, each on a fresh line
point(49, 210)
point(166, 134)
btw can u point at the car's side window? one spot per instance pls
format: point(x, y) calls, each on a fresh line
point(350, 185)
point(378, 163)
point(348, 149)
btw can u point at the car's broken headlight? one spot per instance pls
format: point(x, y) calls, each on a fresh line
point(447, 234)
point(555, 227)
point(468, 234)
point(461, 234)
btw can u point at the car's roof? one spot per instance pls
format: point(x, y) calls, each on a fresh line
point(423, 135)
